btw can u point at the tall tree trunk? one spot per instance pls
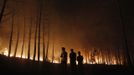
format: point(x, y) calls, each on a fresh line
point(17, 41)
point(11, 36)
point(43, 43)
point(118, 56)
point(35, 37)
point(39, 40)
point(102, 58)
point(39, 29)
point(53, 52)
point(48, 41)
point(47, 49)
point(23, 43)
point(88, 55)
point(85, 55)
point(106, 55)
point(3, 9)
point(48, 30)
point(124, 34)
point(29, 43)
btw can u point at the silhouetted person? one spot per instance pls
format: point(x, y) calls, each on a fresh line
point(63, 61)
point(73, 61)
point(63, 56)
point(80, 63)
point(80, 59)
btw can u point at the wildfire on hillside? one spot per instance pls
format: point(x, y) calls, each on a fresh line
point(96, 59)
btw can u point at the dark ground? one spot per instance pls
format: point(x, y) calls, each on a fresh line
point(26, 67)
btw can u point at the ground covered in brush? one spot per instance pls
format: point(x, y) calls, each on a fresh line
point(27, 67)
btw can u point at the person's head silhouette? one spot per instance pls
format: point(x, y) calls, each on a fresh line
point(79, 53)
point(72, 50)
point(63, 49)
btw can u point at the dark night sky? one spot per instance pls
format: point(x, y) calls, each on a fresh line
point(99, 20)
point(80, 23)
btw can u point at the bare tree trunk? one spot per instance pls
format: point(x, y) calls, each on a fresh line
point(124, 34)
point(17, 42)
point(3, 9)
point(29, 43)
point(39, 29)
point(47, 49)
point(85, 55)
point(48, 41)
point(118, 56)
point(98, 56)
point(11, 36)
point(43, 43)
point(35, 37)
point(53, 52)
point(106, 55)
point(109, 55)
point(23, 40)
point(39, 43)
point(103, 56)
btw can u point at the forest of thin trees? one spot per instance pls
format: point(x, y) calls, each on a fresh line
point(41, 40)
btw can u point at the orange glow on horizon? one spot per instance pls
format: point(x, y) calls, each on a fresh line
point(98, 60)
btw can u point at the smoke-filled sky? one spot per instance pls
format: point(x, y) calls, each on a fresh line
point(74, 24)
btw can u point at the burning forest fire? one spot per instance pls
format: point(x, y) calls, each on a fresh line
point(96, 59)
point(38, 34)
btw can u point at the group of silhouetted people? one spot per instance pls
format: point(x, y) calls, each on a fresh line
point(73, 58)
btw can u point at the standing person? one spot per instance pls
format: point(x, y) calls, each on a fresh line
point(80, 59)
point(63, 56)
point(73, 60)
point(63, 61)
point(80, 63)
